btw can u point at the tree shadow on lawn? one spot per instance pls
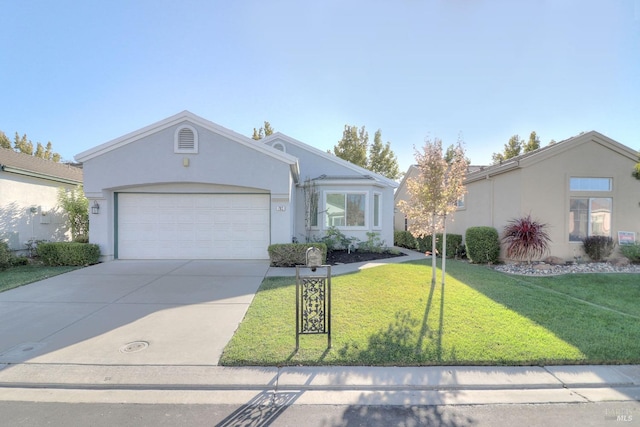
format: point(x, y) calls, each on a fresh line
point(401, 343)
point(604, 336)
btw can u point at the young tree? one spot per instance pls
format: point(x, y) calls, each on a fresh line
point(76, 205)
point(353, 146)
point(434, 193)
point(262, 132)
point(381, 159)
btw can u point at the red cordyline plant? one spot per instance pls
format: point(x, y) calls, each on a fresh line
point(525, 238)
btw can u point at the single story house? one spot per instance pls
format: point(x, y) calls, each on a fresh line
point(187, 188)
point(580, 187)
point(29, 198)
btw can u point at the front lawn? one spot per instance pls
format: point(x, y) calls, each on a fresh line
point(25, 274)
point(390, 315)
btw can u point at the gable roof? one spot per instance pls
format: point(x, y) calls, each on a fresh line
point(365, 173)
point(187, 116)
point(535, 156)
point(24, 164)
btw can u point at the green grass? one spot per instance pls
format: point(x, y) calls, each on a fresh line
point(25, 274)
point(390, 315)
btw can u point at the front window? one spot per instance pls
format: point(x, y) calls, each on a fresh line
point(345, 209)
point(589, 216)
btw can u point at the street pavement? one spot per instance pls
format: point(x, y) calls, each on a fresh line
point(151, 332)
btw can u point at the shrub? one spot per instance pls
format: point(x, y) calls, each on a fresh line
point(483, 244)
point(525, 238)
point(404, 239)
point(631, 251)
point(6, 257)
point(453, 241)
point(292, 254)
point(68, 253)
point(335, 239)
point(373, 243)
point(598, 247)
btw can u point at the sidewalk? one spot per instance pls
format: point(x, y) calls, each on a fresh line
point(320, 385)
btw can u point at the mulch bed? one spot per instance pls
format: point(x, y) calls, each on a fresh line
point(343, 257)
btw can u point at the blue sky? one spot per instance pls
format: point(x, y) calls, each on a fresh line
point(80, 73)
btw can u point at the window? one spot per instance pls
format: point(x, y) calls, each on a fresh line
point(589, 216)
point(460, 202)
point(590, 184)
point(185, 140)
point(376, 210)
point(345, 209)
point(313, 208)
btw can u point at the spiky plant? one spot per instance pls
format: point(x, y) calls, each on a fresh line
point(525, 238)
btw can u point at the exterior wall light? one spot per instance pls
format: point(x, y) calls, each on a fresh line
point(95, 209)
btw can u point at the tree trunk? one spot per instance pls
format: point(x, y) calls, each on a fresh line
point(433, 250)
point(444, 247)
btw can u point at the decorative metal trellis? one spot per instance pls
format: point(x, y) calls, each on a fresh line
point(313, 304)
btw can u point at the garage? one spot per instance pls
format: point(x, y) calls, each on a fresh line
point(192, 226)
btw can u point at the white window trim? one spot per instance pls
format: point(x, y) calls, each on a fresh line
point(176, 138)
point(344, 227)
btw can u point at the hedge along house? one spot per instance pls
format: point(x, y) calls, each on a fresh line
point(29, 198)
point(187, 188)
point(580, 187)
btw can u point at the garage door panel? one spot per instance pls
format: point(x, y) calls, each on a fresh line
point(193, 226)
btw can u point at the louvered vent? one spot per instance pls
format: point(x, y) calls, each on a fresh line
point(186, 140)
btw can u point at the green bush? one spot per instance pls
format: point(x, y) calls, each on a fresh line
point(373, 244)
point(631, 251)
point(483, 244)
point(598, 248)
point(68, 253)
point(453, 242)
point(404, 239)
point(336, 240)
point(6, 257)
point(292, 254)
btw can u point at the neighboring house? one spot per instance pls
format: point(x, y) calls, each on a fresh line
point(580, 187)
point(29, 198)
point(187, 188)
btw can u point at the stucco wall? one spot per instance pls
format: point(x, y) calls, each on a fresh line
point(18, 194)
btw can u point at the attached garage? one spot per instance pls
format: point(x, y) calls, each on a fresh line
point(192, 226)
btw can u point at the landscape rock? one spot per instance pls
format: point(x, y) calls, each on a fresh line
point(620, 262)
point(554, 260)
point(542, 269)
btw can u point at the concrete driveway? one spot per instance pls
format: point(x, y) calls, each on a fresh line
point(175, 312)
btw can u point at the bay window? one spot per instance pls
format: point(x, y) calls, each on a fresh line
point(345, 209)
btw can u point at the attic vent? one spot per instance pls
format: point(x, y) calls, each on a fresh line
point(279, 146)
point(186, 140)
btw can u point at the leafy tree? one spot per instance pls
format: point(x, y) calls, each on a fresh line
point(434, 193)
point(532, 144)
point(382, 159)
point(76, 205)
point(4, 141)
point(22, 144)
point(379, 158)
point(516, 146)
point(267, 130)
point(353, 146)
point(39, 151)
point(636, 169)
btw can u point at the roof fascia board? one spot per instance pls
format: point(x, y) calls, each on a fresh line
point(24, 172)
point(330, 157)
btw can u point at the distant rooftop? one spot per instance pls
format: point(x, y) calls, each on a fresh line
point(12, 161)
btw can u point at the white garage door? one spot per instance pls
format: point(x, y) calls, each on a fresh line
point(193, 226)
